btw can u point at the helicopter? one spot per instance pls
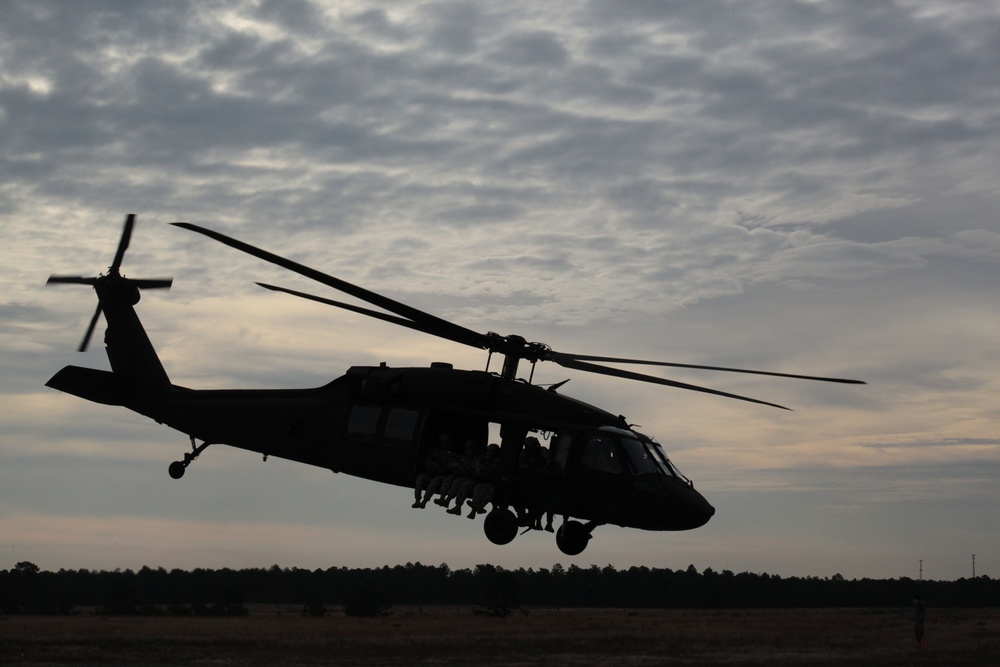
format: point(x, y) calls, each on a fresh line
point(424, 428)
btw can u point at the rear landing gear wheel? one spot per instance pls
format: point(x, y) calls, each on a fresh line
point(177, 468)
point(500, 526)
point(572, 538)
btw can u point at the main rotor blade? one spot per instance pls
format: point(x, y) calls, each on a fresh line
point(428, 323)
point(90, 330)
point(123, 243)
point(557, 356)
point(386, 317)
point(71, 280)
point(569, 362)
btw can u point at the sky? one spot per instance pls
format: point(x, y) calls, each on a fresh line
point(804, 187)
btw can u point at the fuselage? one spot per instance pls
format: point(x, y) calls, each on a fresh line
point(381, 423)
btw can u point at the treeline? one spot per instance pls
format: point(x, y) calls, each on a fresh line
point(28, 589)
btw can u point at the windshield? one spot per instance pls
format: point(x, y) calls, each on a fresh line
point(664, 463)
point(618, 452)
point(639, 458)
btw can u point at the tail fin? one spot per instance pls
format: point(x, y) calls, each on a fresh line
point(128, 347)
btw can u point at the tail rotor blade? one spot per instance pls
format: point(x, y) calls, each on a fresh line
point(70, 280)
point(152, 283)
point(90, 330)
point(123, 243)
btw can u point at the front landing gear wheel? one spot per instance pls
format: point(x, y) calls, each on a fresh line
point(177, 469)
point(500, 526)
point(572, 538)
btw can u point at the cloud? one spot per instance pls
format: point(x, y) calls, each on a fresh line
point(807, 187)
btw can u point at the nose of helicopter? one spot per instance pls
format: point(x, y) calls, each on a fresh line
point(680, 507)
point(701, 511)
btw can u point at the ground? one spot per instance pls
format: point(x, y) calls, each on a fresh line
point(550, 637)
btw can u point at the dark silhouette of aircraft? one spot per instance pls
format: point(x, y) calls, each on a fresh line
point(424, 428)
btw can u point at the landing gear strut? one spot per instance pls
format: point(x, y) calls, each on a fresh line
point(177, 468)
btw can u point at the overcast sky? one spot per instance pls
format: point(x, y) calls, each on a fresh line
point(803, 187)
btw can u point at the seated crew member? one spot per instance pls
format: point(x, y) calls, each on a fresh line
point(462, 487)
point(533, 456)
point(434, 464)
point(484, 490)
point(445, 468)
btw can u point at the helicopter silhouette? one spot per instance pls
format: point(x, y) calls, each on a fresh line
point(424, 428)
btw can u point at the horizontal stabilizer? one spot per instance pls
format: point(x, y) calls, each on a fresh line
point(94, 385)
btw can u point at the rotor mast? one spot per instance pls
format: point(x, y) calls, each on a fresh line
point(512, 356)
point(514, 348)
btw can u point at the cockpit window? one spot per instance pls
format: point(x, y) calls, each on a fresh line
point(661, 460)
point(640, 460)
point(665, 464)
point(599, 455)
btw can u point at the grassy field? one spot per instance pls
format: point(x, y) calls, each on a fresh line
point(454, 636)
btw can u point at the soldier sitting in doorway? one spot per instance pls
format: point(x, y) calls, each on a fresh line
point(464, 482)
point(483, 492)
point(439, 466)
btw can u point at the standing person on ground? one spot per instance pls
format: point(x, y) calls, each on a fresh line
point(919, 613)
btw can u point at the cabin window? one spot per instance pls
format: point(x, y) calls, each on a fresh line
point(400, 427)
point(559, 454)
point(639, 458)
point(363, 423)
point(600, 455)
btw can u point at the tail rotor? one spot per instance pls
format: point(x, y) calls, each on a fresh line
point(112, 282)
